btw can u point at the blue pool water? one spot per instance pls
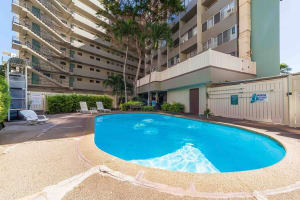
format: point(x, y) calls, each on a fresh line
point(179, 144)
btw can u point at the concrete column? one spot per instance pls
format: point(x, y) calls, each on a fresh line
point(245, 29)
point(156, 97)
point(200, 10)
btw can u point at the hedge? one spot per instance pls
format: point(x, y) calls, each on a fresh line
point(147, 108)
point(126, 106)
point(4, 99)
point(174, 108)
point(70, 103)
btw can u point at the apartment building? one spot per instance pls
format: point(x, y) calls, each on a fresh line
point(214, 41)
point(65, 46)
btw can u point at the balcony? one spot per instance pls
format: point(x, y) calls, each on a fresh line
point(89, 12)
point(191, 6)
point(190, 43)
point(91, 74)
point(92, 50)
point(206, 59)
point(89, 36)
point(208, 3)
point(89, 86)
point(42, 53)
point(22, 8)
point(21, 26)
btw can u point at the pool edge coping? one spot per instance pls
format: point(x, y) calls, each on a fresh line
point(209, 194)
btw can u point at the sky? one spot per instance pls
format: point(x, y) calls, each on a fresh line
point(289, 31)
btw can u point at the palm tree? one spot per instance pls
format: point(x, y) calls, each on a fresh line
point(116, 83)
point(157, 34)
point(141, 13)
point(123, 31)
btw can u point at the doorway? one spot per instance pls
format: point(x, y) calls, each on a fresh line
point(194, 101)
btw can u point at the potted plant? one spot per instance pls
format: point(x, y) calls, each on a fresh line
point(207, 113)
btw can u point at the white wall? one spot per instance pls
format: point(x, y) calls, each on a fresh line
point(181, 96)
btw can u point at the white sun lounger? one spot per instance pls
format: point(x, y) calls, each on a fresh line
point(32, 118)
point(84, 108)
point(100, 107)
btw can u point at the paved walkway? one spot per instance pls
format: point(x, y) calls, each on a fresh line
point(43, 162)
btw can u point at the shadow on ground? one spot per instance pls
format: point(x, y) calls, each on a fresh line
point(58, 127)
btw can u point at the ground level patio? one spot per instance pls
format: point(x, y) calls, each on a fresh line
point(59, 160)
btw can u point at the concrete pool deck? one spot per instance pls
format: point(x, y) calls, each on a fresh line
point(59, 160)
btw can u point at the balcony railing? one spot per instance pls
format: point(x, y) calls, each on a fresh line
point(43, 52)
point(38, 32)
point(41, 16)
point(36, 66)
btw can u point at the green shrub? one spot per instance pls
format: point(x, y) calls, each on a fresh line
point(4, 99)
point(70, 103)
point(177, 108)
point(165, 107)
point(126, 106)
point(148, 108)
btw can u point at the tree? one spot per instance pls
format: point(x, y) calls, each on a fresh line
point(2, 69)
point(284, 68)
point(143, 12)
point(157, 34)
point(122, 31)
point(116, 83)
point(4, 99)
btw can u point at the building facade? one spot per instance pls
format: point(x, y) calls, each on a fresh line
point(214, 41)
point(66, 47)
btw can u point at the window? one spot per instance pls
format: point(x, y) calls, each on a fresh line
point(92, 57)
point(36, 29)
point(97, 81)
point(79, 66)
point(79, 79)
point(47, 74)
point(35, 79)
point(63, 49)
point(36, 12)
point(92, 69)
point(63, 63)
point(91, 81)
point(195, 30)
point(217, 18)
point(98, 59)
point(92, 45)
point(226, 36)
point(107, 62)
point(63, 35)
point(79, 53)
point(108, 73)
point(72, 53)
point(97, 70)
point(210, 23)
point(62, 77)
point(184, 38)
point(220, 39)
point(98, 47)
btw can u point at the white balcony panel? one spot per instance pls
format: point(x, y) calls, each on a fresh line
point(205, 59)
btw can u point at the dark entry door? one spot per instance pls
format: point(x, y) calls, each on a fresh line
point(194, 101)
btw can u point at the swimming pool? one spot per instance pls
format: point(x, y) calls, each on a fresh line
point(179, 144)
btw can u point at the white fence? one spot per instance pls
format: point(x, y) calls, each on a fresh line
point(272, 102)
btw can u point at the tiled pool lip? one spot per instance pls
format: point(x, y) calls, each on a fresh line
point(242, 184)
